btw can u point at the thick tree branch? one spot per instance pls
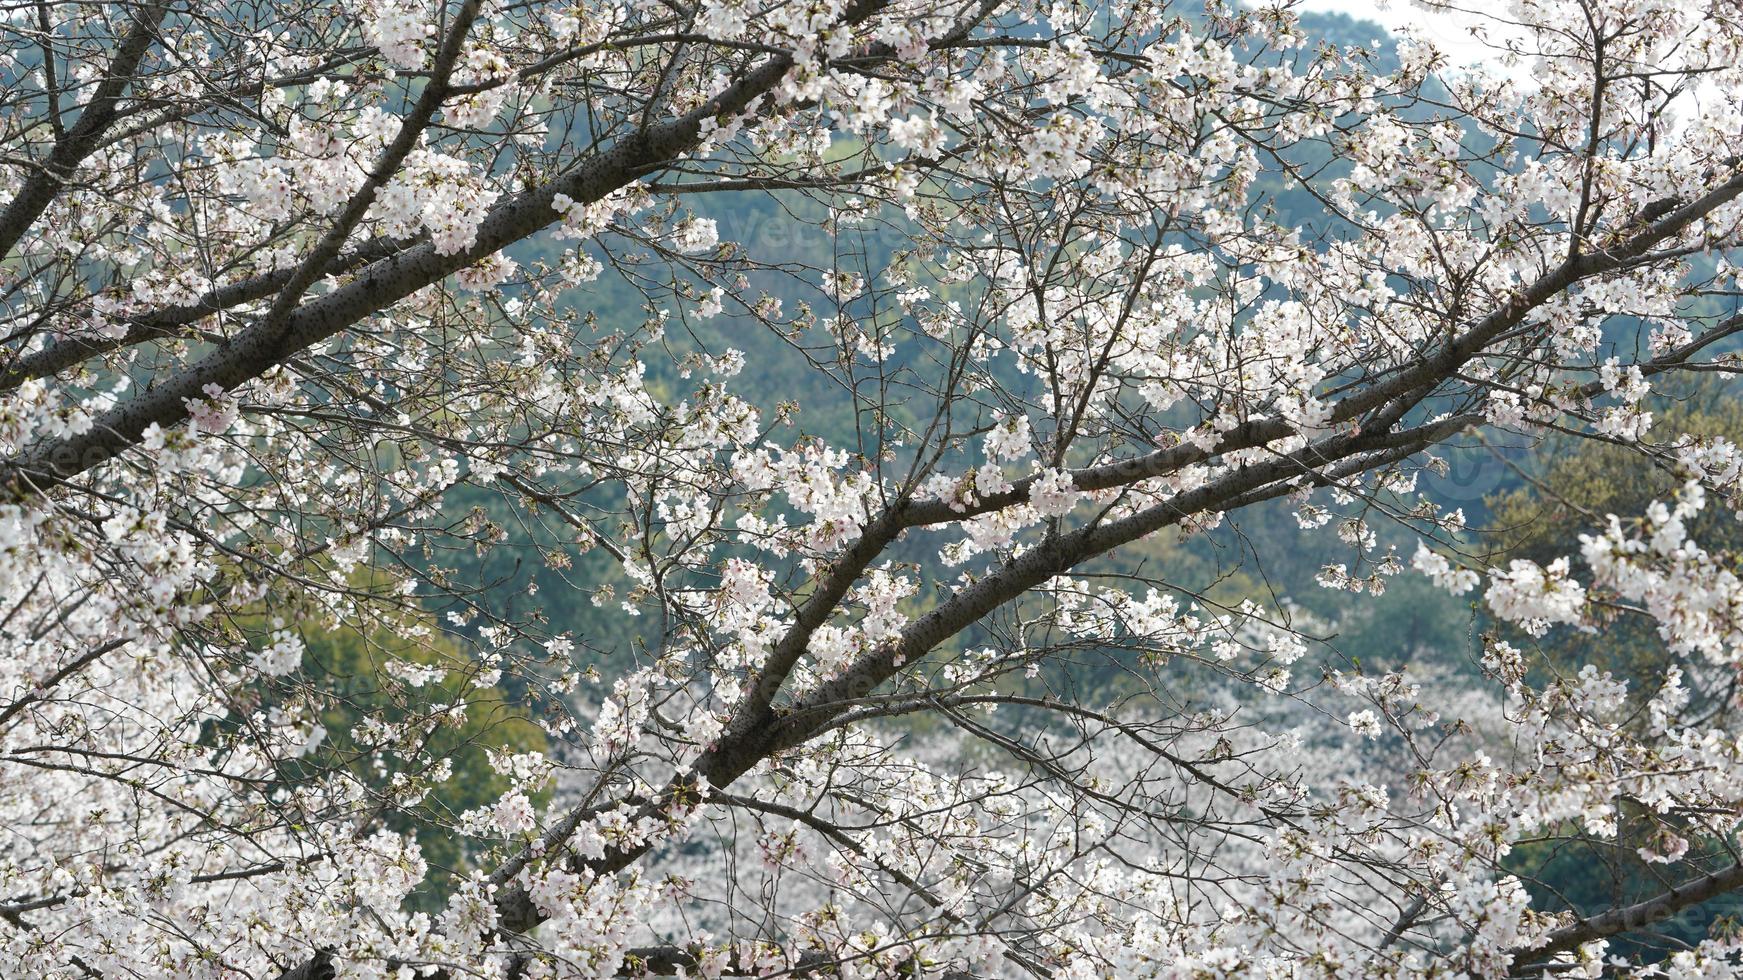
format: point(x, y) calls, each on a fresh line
point(1640, 915)
point(379, 285)
point(39, 189)
point(164, 322)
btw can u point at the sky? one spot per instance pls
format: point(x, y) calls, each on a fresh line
point(1446, 26)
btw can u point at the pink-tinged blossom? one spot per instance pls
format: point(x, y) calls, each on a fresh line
point(1053, 493)
point(1441, 572)
point(1534, 596)
point(214, 413)
point(400, 28)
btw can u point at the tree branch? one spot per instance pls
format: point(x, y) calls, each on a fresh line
point(40, 188)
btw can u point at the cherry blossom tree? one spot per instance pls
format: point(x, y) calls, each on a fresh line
point(879, 678)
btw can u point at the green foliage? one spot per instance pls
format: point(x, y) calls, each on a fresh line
point(1574, 870)
point(527, 565)
point(1573, 485)
point(352, 665)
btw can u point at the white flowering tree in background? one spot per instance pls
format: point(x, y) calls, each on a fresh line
point(857, 375)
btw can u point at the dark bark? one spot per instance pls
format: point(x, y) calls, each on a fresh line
point(44, 183)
